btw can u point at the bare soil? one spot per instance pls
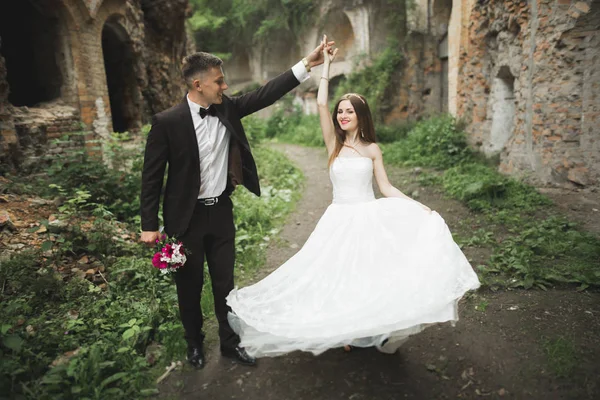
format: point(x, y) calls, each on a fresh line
point(507, 344)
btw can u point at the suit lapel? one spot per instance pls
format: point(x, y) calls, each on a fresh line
point(187, 125)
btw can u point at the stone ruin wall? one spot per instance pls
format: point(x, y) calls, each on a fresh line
point(87, 53)
point(522, 74)
point(529, 88)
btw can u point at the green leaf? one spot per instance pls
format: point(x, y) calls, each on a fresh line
point(4, 328)
point(47, 245)
point(52, 379)
point(128, 333)
point(113, 378)
point(13, 342)
point(104, 364)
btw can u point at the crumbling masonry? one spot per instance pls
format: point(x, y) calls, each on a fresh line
point(89, 66)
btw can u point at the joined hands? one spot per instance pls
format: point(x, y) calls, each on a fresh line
point(328, 51)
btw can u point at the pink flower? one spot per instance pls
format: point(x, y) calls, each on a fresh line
point(156, 260)
point(168, 250)
point(163, 265)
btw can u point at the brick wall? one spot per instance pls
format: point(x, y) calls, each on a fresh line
point(155, 41)
point(551, 49)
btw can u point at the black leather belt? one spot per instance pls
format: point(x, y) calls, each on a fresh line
point(211, 201)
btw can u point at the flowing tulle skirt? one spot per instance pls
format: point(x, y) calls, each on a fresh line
point(370, 272)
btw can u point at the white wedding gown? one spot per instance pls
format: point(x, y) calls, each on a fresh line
point(371, 270)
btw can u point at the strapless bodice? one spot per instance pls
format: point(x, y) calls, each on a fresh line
point(352, 179)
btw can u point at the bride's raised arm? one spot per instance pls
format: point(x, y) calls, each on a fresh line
point(322, 98)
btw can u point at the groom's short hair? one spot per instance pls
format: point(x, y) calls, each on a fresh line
point(198, 63)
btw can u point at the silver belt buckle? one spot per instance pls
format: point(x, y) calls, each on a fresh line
point(211, 202)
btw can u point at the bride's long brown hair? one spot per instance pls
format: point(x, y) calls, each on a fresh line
point(366, 130)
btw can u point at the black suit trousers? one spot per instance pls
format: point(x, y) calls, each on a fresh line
point(211, 234)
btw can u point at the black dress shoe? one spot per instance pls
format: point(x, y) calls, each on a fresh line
point(239, 355)
point(195, 357)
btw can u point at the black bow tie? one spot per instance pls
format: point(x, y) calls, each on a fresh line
point(207, 111)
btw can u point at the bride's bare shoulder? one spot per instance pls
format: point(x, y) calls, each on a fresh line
point(372, 150)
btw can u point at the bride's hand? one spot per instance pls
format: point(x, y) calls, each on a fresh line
point(329, 52)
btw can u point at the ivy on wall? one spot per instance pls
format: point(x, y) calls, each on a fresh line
point(224, 26)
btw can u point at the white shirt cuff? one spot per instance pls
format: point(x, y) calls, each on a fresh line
point(300, 73)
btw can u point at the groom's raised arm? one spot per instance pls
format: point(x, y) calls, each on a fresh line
point(273, 90)
point(267, 94)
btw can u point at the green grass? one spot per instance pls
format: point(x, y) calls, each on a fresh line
point(289, 125)
point(561, 355)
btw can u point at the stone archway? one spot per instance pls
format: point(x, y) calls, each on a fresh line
point(504, 107)
point(342, 32)
point(32, 41)
point(121, 79)
point(334, 82)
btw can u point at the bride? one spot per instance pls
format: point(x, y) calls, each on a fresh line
point(372, 272)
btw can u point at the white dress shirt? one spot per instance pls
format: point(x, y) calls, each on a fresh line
point(213, 145)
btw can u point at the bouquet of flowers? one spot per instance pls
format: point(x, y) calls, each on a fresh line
point(170, 255)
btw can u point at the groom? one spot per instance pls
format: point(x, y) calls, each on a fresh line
point(203, 142)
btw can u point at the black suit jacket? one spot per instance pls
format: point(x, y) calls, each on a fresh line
point(172, 140)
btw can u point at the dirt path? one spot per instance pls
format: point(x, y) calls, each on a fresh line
point(508, 344)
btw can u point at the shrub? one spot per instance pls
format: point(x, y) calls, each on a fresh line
point(435, 142)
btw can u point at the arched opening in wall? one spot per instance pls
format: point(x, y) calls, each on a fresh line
point(503, 108)
point(340, 29)
point(334, 83)
point(30, 41)
point(120, 78)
